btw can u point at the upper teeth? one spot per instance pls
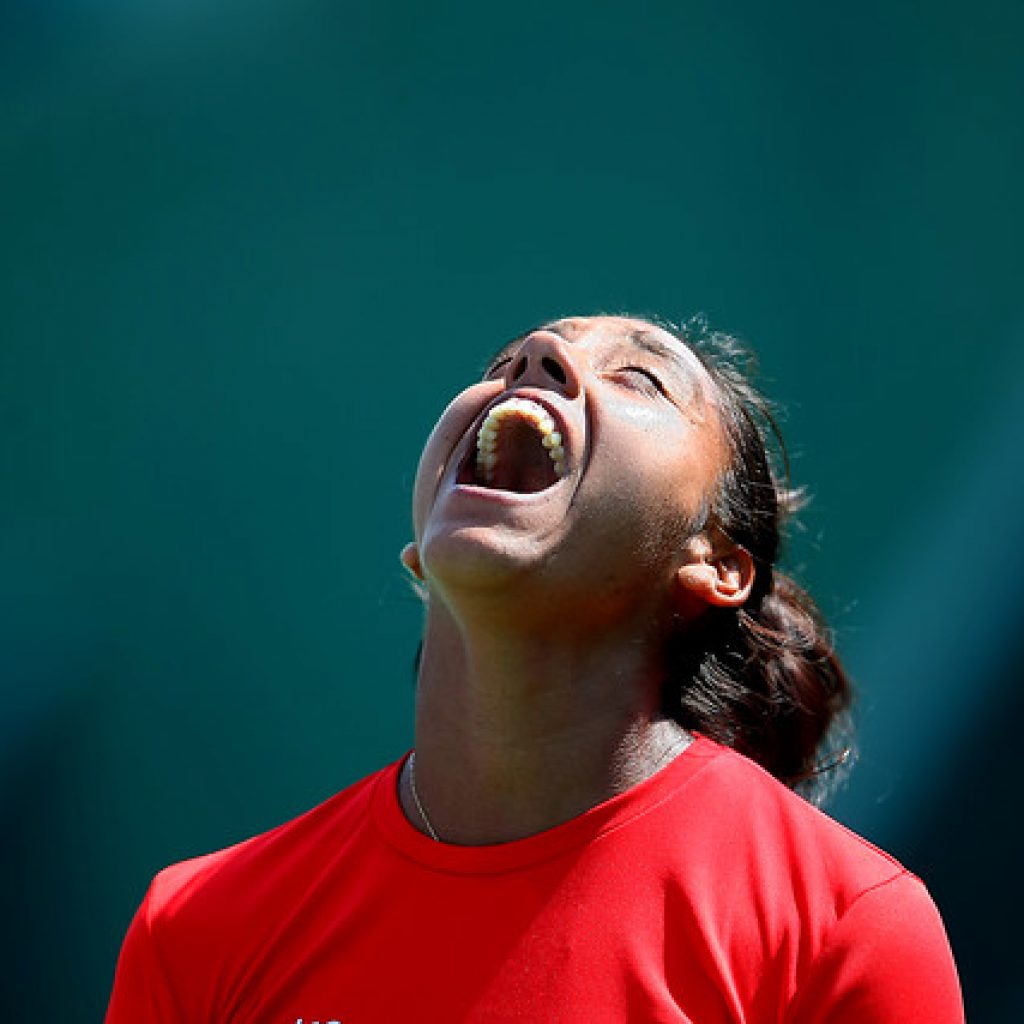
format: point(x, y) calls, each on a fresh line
point(487, 436)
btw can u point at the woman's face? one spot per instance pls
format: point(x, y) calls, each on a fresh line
point(588, 481)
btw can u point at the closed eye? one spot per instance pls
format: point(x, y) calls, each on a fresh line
point(644, 374)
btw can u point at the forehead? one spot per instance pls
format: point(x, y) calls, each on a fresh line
point(641, 333)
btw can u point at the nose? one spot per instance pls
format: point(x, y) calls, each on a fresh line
point(544, 360)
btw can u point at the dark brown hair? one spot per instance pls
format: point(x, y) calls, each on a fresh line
point(765, 678)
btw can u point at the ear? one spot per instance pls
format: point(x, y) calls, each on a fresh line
point(719, 574)
point(410, 558)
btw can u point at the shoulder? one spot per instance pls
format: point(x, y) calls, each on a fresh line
point(778, 829)
point(886, 959)
point(208, 919)
point(219, 890)
point(867, 938)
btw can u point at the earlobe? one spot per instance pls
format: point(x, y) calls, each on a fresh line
point(410, 558)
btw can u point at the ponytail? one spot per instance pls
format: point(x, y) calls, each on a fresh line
point(766, 681)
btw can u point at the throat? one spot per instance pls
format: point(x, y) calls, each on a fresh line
point(505, 747)
point(473, 801)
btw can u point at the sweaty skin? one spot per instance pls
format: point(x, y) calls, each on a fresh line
point(547, 612)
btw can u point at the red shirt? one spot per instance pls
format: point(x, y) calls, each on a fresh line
point(708, 893)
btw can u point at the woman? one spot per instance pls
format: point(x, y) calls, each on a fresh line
point(617, 690)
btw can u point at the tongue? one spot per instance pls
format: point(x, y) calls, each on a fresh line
point(523, 462)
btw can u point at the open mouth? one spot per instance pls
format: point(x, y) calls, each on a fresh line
point(518, 448)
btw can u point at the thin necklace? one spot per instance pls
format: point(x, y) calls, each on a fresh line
point(416, 798)
point(672, 748)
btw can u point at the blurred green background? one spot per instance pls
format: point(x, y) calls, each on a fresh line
point(250, 251)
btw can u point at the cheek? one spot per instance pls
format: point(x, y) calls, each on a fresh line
point(656, 475)
point(449, 430)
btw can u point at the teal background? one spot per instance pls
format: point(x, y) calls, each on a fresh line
point(251, 249)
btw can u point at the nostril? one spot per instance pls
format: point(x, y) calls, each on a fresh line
point(554, 369)
point(519, 369)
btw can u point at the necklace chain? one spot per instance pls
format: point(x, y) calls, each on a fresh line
point(416, 798)
point(672, 748)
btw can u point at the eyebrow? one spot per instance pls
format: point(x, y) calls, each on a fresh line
point(654, 346)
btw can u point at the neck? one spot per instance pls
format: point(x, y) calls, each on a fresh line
point(517, 732)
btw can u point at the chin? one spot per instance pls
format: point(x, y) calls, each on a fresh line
point(481, 559)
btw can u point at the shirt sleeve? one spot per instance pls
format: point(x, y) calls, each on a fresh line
point(141, 991)
point(887, 960)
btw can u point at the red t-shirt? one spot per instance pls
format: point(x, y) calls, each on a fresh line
point(708, 893)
